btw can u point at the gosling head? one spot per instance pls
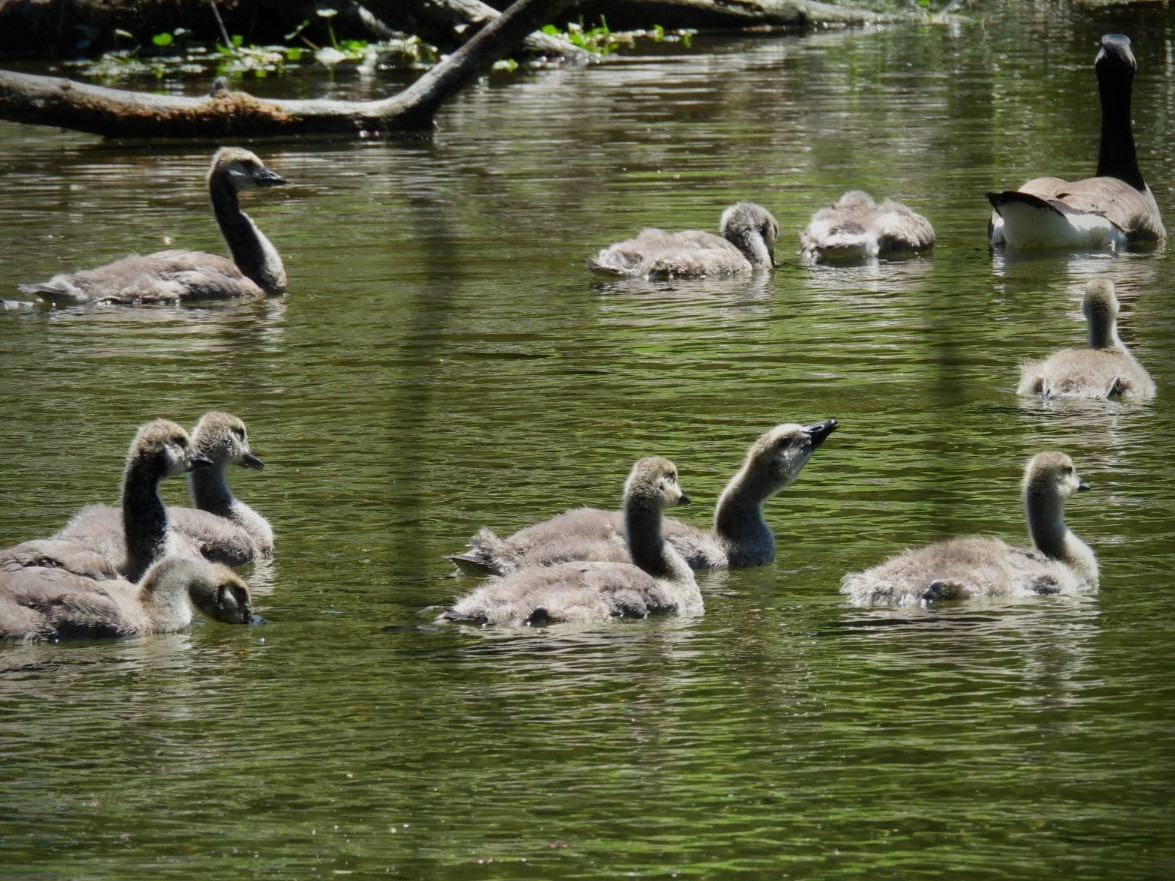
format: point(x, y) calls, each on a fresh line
point(167, 446)
point(855, 200)
point(744, 223)
point(779, 455)
point(242, 169)
point(223, 438)
point(218, 592)
point(653, 483)
point(1100, 308)
point(1051, 476)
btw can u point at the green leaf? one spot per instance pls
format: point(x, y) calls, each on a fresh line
point(162, 39)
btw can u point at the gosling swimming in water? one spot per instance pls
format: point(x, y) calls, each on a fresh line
point(160, 449)
point(1105, 369)
point(740, 537)
point(964, 568)
point(747, 243)
point(54, 604)
point(855, 229)
point(660, 582)
point(255, 270)
point(220, 527)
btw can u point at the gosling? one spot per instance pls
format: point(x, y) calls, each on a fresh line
point(160, 449)
point(166, 276)
point(54, 604)
point(593, 592)
point(965, 568)
point(220, 527)
point(740, 538)
point(746, 244)
point(1103, 370)
point(855, 230)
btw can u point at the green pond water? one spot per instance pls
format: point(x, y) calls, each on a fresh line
point(444, 361)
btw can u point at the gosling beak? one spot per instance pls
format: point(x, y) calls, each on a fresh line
point(1082, 486)
point(684, 500)
point(821, 430)
point(199, 460)
point(251, 461)
point(266, 178)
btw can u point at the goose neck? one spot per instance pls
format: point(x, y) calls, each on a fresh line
point(1117, 156)
point(252, 252)
point(144, 519)
point(209, 489)
point(738, 519)
point(646, 544)
point(1046, 523)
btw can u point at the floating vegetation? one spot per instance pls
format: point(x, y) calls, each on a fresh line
point(175, 52)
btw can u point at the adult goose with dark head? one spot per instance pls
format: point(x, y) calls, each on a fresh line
point(1115, 210)
point(254, 271)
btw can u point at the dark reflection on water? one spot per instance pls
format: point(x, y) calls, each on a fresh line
point(444, 361)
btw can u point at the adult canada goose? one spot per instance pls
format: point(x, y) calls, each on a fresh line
point(1104, 369)
point(855, 229)
point(591, 592)
point(220, 526)
point(1113, 210)
point(160, 449)
point(255, 268)
point(52, 604)
point(740, 537)
point(962, 568)
point(747, 242)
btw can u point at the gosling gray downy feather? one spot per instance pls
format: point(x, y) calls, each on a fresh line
point(53, 604)
point(747, 243)
point(855, 229)
point(1104, 369)
point(660, 582)
point(255, 270)
point(964, 568)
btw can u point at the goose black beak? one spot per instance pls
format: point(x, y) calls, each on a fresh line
point(684, 500)
point(251, 461)
point(199, 460)
point(821, 430)
point(266, 178)
point(1082, 486)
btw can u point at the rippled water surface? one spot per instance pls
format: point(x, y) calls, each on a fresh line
point(443, 361)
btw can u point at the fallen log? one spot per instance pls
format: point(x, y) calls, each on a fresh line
point(121, 114)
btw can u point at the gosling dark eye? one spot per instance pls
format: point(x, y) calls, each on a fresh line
point(239, 432)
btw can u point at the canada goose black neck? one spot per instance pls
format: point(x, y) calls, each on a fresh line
point(1115, 68)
